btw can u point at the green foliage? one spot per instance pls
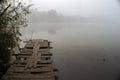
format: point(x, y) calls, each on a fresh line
point(12, 18)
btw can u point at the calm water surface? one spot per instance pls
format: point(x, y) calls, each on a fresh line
point(82, 51)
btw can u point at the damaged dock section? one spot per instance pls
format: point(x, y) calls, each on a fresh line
point(32, 63)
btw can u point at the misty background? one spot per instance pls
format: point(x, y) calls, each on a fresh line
point(85, 36)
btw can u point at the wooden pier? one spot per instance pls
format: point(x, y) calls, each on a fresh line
point(32, 63)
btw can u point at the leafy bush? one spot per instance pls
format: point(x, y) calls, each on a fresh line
point(12, 18)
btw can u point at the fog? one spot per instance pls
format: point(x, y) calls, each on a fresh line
point(85, 36)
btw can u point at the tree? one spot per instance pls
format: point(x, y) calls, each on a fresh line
point(12, 18)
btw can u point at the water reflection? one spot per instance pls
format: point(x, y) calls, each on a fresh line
point(82, 51)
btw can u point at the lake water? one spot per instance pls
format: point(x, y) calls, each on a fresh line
point(81, 51)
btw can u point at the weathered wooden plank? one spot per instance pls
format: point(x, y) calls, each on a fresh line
point(21, 56)
point(33, 63)
point(22, 69)
point(8, 78)
point(30, 53)
point(32, 76)
point(38, 65)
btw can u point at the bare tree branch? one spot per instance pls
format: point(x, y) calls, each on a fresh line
point(5, 10)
